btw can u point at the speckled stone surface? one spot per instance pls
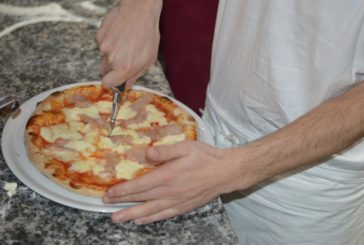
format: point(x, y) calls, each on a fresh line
point(45, 44)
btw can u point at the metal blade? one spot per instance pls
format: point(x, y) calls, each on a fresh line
point(115, 106)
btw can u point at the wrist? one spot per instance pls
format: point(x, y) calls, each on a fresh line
point(153, 7)
point(248, 167)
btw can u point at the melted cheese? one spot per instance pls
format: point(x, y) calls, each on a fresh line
point(103, 106)
point(65, 155)
point(106, 142)
point(170, 139)
point(72, 114)
point(86, 148)
point(55, 132)
point(137, 140)
point(154, 116)
point(126, 169)
point(87, 165)
point(81, 127)
point(125, 112)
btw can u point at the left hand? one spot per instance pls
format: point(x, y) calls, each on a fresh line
point(191, 175)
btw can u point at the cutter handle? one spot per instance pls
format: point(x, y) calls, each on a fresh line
point(121, 87)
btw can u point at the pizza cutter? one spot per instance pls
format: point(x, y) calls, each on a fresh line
point(117, 95)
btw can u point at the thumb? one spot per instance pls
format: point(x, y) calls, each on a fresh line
point(113, 79)
point(166, 153)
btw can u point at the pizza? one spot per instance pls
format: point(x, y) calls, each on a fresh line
point(67, 139)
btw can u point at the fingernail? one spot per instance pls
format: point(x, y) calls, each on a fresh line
point(139, 222)
point(117, 218)
point(105, 199)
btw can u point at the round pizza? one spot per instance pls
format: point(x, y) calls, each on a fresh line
point(67, 137)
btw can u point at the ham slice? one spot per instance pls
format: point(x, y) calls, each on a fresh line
point(169, 130)
point(97, 122)
point(78, 100)
point(112, 159)
point(141, 102)
point(159, 132)
point(121, 139)
point(137, 154)
point(141, 116)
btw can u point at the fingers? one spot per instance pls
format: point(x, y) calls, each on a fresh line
point(167, 152)
point(144, 210)
point(120, 196)
point(113, 78)
point(105, 67)
point(139, 185)
point(165, 214)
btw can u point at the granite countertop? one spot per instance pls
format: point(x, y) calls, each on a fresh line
point(46, 44)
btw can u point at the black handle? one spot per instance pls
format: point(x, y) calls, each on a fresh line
point(121, 87)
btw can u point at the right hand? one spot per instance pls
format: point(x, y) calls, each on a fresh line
point(129, 39)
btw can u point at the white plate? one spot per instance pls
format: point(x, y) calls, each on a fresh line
point(14, 152)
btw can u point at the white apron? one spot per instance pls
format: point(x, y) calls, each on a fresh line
point(272, 62)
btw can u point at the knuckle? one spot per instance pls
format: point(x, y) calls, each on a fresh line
point(109, 59)
point(104, 47)
point(125, 67)
point(98, 37)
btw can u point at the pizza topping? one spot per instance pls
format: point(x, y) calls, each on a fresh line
point(140, 117)
point(73, 114)
point(154, 117)
point(52, 133)
point(62, 154)
point(81, 146)
point(92, 164)
point(121, 139)
point(134, 137)
point(170, 139)
point(137, 154)
point(69, 132)
point(172, 129)
point(96, 122)
point(157, 133)
point(77, 100)
point(112, 158)
point(141, 102)
point(126, 169)
point(125, 112)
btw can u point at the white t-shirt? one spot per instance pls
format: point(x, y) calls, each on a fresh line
point(272, 62)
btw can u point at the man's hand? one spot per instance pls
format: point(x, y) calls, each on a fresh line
point(192, 174)
point(128, 39)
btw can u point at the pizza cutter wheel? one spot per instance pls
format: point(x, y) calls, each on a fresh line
point(118, 99)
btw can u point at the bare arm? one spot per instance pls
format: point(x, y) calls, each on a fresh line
point(194, 173)
point(325, 130)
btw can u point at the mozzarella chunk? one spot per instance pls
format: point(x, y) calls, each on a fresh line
point(91, 164)
point(137, 140)
point(125, 112)
point(55, 132)
point(154, 116)
point(126, 169)
point(72, 114)
point(81, 146)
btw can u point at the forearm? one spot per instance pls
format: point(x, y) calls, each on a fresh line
point(325, 130)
